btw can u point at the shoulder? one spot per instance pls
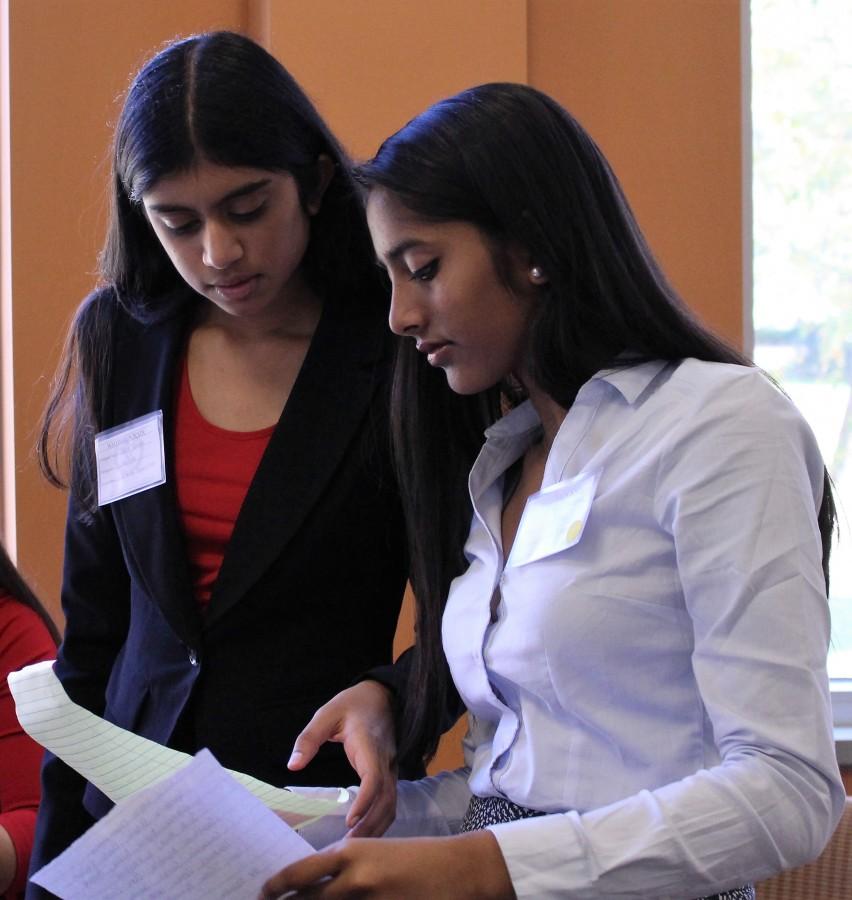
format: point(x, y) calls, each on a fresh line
point(723, 414)
point(681, 396)
point(24, 638)
point(99, 318)
point(722, 391)
point(714, 376)
point(101, 306)
point(103, 312)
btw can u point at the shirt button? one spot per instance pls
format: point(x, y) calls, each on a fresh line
point(193, 657)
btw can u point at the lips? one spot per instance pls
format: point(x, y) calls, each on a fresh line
point(435, 351)
point(236, 288)
point(428, 347)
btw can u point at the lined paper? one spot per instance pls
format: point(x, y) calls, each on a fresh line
point(197, 834)
point(120, 763)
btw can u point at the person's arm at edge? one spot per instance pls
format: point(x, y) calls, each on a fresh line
point(24, 640)
point(96, 626)
point(8, 861)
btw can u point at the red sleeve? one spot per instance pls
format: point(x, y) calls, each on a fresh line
point(24, 639)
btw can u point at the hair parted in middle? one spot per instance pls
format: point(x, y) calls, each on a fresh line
point(216, 97)
point(220, 97)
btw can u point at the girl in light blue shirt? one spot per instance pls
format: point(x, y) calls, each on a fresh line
point(632, 601)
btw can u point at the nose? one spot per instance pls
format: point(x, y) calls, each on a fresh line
point(221, 246)
point(406, 314)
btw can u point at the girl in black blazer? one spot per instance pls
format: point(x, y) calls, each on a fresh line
point(239, 304)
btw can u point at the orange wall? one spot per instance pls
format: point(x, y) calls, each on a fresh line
point(386, 61)
point(657, 82)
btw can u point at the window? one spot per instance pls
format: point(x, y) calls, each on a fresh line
point(801, 71)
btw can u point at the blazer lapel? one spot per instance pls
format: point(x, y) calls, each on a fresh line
point(331, 395)
point(144, 379)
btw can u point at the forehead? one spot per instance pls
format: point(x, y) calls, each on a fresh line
point(208, 182)
point(395, 229)
point(386, 215)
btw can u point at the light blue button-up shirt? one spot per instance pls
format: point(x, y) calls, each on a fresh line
point(655, 676)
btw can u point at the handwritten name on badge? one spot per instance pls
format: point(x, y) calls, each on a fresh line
point(130, 458)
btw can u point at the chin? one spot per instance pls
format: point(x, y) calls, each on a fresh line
point(466, 384)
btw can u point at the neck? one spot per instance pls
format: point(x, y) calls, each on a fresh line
point(296, 315)
point(549, 411)
point(551, 414)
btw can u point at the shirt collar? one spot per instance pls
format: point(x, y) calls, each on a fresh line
point(518, 421)
point(629, 381)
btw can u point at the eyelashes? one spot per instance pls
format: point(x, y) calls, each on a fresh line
point(186, 228)
point(425, 273)
point(192, 225)
point(249, 215)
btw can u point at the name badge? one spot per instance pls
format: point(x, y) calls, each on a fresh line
point(554, 519)
point(130, 458)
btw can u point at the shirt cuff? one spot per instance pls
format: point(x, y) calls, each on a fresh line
point(545, 857)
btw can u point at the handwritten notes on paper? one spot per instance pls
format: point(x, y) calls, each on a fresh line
point(121, 763)
point(196, 835)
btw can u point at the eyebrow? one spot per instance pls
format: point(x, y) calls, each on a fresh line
point(399, 249)
point(242, 191)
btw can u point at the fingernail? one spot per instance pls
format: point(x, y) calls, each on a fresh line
point(295, 756)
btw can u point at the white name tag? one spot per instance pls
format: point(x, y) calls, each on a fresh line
point(130, 458)
point(554, 519)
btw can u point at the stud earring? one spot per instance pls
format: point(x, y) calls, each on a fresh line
point(536, 274)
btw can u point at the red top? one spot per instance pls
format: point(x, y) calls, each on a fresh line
point(214, 468)
point(24, 639)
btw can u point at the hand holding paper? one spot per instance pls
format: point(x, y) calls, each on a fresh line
point(196, 835)
point(121, 763)
point(181, 827)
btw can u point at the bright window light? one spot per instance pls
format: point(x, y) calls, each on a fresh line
point(802, 204)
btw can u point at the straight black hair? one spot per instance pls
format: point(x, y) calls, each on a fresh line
point(217, 97)
point(13, 582)
point(511, 161)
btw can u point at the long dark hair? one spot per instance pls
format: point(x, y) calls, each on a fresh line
point(221, 98)
point(511, 161)
point(13, 582)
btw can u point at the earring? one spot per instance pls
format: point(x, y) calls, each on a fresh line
point(536, 274)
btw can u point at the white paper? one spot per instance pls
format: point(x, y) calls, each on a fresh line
point(119, 762)
point(195, 835)
point(130, 458)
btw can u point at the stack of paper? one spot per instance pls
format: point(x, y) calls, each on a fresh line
point(182, 826)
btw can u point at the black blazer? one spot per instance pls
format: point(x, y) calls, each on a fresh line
point(306, 599)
